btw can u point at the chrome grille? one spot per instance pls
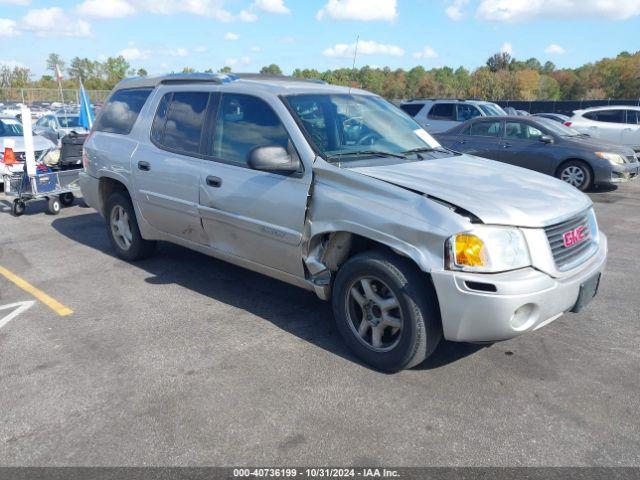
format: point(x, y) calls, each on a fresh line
point(566, 256)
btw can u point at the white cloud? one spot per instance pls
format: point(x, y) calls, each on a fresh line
point(235, 62)
point(525, 10)
point(8, 28)
point(426, 52)
point(247, 16)
point(343, 50)
point(454, 11)
point(231, 36)
point(15, 2)
point(178, 52)
point(554, 49)
point(204, 8)
point(255, 48)
point(12, 63)
point(106, 8)
point(54, 22)
point(271, 6)
point(506, 47)
point(132, 53)
point(200, 49)
point(363, 10)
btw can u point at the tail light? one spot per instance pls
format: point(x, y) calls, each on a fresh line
point(85, 157)
point(568, 124)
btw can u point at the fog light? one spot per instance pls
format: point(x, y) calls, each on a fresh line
point(524, 317)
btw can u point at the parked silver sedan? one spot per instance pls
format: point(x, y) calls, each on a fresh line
point(54, 127)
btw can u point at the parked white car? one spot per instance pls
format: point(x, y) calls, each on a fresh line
point(437, 116)
point(11, 134)
point(619, 124)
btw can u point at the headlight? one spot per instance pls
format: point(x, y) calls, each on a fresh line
point(614, 158)
point(488, 249)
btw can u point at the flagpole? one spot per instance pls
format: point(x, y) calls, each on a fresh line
point(59, 78)
point(85, 100)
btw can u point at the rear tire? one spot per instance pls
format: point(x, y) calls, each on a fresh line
point(123, 230)
point(386, 311)
point(576, 173)
point(53, 206)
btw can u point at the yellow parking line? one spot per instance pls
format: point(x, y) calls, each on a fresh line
point(39, 294)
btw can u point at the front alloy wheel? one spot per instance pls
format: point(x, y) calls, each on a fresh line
point(374, 314)
point(576, 174)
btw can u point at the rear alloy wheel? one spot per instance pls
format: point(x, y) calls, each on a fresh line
point(123, 230)
point(576, 174)
point(386, 310)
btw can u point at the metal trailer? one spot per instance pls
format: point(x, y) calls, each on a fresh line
point(57, 187)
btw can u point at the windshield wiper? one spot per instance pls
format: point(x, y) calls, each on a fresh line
point(362, 153)
point(426, 150)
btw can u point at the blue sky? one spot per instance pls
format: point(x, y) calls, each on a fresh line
point(166, 35)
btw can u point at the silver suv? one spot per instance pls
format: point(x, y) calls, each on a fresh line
point(437, 116)
point(337, 191)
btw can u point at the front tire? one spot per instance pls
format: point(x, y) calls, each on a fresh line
point(123, 230)
point(386, 311)
point(67, 199)
point(577, 174)
point(18, 208)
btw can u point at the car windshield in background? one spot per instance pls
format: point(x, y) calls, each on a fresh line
point(558, 128)
point(10, 128)
point(343, 125)
point(492, 110)
point(69, 122)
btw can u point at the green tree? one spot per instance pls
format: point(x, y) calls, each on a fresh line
point(272, 69)
point(54, 59)
point(499, 61)
point(142, 72)
point(225, 69)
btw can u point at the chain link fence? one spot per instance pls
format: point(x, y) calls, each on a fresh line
point(48, 95)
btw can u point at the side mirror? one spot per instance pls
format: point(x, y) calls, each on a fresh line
point(272, 159)
point(546, 139)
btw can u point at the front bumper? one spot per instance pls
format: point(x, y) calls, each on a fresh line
point(624, 173)
point(524, 300)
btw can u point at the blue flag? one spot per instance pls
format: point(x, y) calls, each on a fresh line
point(86, 109)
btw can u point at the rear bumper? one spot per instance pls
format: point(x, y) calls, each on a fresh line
point(90, 190)
point(524, 300)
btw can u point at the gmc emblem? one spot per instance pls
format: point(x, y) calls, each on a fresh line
point(572, 237)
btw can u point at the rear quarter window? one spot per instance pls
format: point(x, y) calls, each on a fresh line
point(412, 109)
point(121, 111)
point(442, 111)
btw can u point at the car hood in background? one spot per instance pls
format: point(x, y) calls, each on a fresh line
point(496, 193)
point(597, 145)
point(39, 143)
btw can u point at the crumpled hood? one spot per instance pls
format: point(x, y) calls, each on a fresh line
point(495, 192)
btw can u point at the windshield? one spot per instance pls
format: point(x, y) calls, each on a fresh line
point(343, 125)
point(558, 128)
point(10, 128)
point(69, 122)
point(492, 110)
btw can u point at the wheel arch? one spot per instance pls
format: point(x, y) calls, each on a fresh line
point(574, 159)
point(108, 185)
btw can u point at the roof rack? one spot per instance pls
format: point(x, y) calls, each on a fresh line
point(275, 77)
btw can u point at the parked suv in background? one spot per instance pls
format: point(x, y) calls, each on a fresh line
point(334, 190)
point(441, 115)
point(615, 124)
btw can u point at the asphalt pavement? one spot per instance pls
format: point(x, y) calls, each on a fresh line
point(185, 360)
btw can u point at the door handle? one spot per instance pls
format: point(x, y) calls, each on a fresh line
point(144, 166)
point(215, 182)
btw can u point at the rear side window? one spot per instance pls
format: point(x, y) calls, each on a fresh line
point(633, 117)
point(443, 111)
point(245, 122)
point(412, 108)
point(122, 110)
point(608, 116)
point(179, 121)
point(483, 129)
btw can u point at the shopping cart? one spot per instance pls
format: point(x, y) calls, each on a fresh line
point(57, 187)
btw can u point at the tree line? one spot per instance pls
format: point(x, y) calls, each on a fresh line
point(501, 78)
